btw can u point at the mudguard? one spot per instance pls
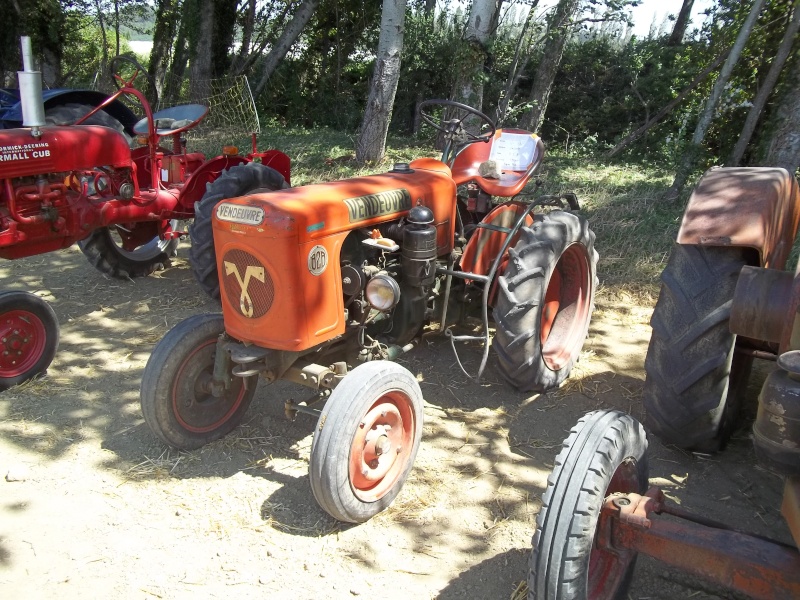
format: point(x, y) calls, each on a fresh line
point(753, 207)
point(11, 117)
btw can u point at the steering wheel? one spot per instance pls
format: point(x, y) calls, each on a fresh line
point(454, 127)
point(122, 66)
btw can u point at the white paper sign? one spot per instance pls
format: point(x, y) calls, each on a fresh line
point(514, 151)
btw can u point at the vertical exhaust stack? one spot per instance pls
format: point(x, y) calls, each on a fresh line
point(30, 91)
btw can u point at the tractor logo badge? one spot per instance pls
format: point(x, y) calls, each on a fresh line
point(245, 302)
point(235, 213)
point(378, 205)
point(317, 260)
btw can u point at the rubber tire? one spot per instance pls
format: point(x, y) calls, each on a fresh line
point(161, 375)
point(597, 446)
point(239, 180)
point(336, 429)
point(694, 380)
point(107, 257)
point(67, 114)
point(520, 300)
point(25, 301)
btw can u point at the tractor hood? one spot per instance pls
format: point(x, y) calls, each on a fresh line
point(61, 149)
point(315, 211)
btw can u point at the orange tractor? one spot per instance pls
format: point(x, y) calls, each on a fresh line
point(62, 184)
point(724, 301)
point(325, 285)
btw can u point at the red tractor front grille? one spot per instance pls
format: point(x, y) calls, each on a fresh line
point(248, 285)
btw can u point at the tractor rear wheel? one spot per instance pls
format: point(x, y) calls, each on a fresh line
point(28, 337)
point(366, 440)
point(179, 402)
point(605, 453)
point(695, 380)
point(116, 250)
point(239, 180)
point(545, 300)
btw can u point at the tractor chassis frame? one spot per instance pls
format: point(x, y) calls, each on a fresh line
point(753, 565)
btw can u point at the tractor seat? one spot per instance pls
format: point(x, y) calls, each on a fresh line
point(517, 152)
point(173, 120)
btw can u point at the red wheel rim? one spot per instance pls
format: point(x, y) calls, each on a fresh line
point(607, 569)
point(565, 313)
point(23, 338)
point(381, 447)
point(195, 408)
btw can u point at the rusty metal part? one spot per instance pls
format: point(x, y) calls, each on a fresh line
point(763, 302)
point(754, 566)
point(776, 432)
point(790, 508)
point(755, 207)
point(311, 375)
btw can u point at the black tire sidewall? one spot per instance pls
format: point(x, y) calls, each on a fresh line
point(595, 448)
point(335, 431)
point(163, 366)
point(20, 300)
point(539, 249)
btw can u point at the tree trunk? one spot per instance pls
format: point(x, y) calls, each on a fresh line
point(301, 17)
point(766, 88)
point(469, 82)
point(518, 65)
point(693, 150)
point(784, 147)
point(681, 23)
point(180, 55)
point(371, 142)
point(163, 36)
point(203, 52)
point(558, 30)
point(247, 35)
point(222, 37)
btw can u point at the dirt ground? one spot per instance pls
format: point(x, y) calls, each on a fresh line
point(93, 506)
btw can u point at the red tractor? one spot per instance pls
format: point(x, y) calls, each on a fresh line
point(725, 300)
point(83, 183)
point(325, 285)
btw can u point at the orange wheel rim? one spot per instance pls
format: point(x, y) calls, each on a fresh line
point(381, 447)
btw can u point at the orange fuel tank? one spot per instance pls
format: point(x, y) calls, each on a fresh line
point(278, 253)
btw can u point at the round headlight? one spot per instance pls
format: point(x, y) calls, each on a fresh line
point(383, 293)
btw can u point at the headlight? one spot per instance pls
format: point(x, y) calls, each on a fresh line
point(383, 293)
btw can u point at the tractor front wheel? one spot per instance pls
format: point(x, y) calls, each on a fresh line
point(545, 300)
point(125, 251)
point(366, 440)
point(180, 401)
point(239, 180)
point(695, 379)
point(605, 453)
point(28, 337)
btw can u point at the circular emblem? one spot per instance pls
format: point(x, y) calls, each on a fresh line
point(248, 286)
point(317, 260)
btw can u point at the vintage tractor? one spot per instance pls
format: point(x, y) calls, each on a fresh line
point(724, 301)
point(83, 183)
point(325, 285)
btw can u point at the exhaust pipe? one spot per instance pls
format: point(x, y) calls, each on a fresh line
point(30, 91)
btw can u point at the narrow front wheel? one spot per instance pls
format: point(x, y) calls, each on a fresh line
point(366, 440)
point(605, 453)
point(28, 337)
point(181, 402)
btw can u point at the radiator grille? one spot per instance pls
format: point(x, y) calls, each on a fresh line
point(248, 285)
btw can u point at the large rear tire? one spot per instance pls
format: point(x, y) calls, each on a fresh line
point(115, 250)
point(695, 380)
point(239, 180)
point(366, 440)
point(28, 337)
point(545, 300)
point(176, 396)
point(67, 114)
point(604, 453)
